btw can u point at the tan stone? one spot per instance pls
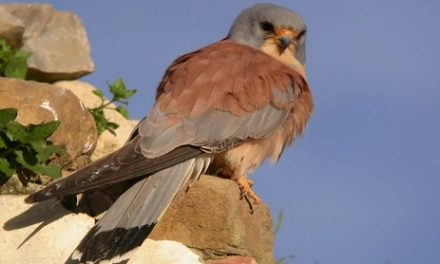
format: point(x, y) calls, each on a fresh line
point(43, 233)
point(14, 186)
point(210, 218)
point(11, 28)
point(232, 260)
point(47, 233)
point(57, 40)
point(107, 142)
point(39, 102)
point(164, 252)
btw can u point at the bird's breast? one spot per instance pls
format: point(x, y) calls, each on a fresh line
point(286, 57)
point(244, 158)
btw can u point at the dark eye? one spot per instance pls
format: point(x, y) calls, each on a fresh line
point(267, 26)
point(301, 34)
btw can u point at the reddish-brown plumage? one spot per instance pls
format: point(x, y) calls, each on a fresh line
point(238, 80)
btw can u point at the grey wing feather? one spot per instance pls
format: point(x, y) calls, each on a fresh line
point(124, 164)
point(211, 130)
point(133, 216)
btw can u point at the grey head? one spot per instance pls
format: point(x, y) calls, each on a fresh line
point(256, 23)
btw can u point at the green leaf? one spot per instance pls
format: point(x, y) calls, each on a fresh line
point(25, 149)
point(45, 151)
point(100, 120)
point(13, 64)
point(279, 221)
point(29, 154)
point(22, 55)
point(49, 170)
point(119, 90)
point(17, 131)
point(17, 65)
point(7, 115)
point(42, 131)
point(16, 70)
point(5, 167)
point(5, 49)
point(102, 123)
point(122, 111)
point(284, 260)
point(98, 93)
point(120, 96)
point(111, 127)
point(20, 159)
point(5, 143)
point(2, 143)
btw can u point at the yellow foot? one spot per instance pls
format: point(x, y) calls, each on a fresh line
point(245, 186)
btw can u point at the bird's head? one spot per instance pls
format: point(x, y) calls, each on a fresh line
point(274, 30)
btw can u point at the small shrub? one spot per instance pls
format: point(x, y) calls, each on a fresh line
point(120, 96)
point(25, 150)
point(13, 63)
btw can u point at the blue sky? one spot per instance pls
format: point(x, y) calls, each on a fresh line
point(363, 185)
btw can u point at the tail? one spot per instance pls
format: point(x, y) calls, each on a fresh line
point(133, 216)
point(122, 165)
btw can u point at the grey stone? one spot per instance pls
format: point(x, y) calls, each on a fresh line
point(57, 40)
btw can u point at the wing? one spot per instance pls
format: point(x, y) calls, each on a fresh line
point(218, 97)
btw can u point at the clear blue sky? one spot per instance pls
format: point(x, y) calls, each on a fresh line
point(363, 185)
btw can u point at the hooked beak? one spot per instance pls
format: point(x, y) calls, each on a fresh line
point(284, 42)
point(284, 38)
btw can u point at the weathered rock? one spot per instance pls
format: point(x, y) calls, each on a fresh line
point(38, 103)
point(57, 40)
point(164, 252)
point(14, 186)
point(210, 218)
point(232, 260)
point(47, 233)
point(107, 142)
point(11, 28)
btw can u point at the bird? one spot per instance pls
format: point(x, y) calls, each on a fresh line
point(224, 108)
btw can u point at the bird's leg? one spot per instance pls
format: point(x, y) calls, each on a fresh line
point(245, 186)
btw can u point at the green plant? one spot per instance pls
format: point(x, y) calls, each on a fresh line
point(120, 96)
point(276, 228)
point(13, 63)
point(25, 150)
